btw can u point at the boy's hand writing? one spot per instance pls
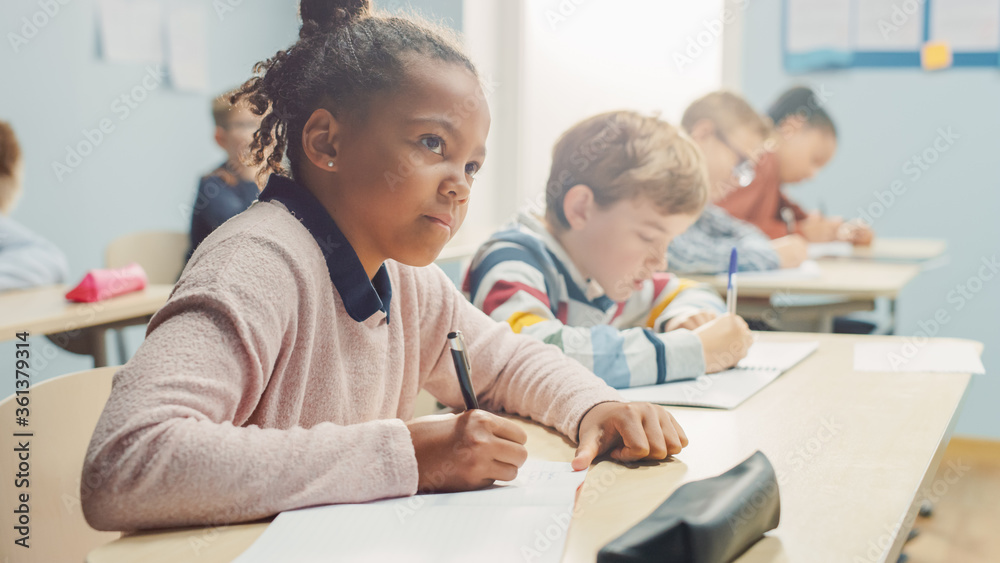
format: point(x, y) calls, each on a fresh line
point(725, 342)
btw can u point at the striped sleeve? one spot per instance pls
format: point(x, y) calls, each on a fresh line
point(513, 290)
point(681, 296)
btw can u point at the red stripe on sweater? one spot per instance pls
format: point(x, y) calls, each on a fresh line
point(504, 290)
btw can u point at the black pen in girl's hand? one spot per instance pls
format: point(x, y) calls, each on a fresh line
point(463, 368)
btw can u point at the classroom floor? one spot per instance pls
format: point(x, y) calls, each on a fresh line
point(966, 517)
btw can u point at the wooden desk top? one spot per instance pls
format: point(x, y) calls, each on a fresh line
point(853, 279)
point(854, 453)
point(45, 310)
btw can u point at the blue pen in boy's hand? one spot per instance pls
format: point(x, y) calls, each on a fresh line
point(731, 287)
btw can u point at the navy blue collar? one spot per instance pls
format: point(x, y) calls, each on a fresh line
point(362, 297)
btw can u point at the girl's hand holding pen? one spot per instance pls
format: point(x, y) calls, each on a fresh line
point(467, 451)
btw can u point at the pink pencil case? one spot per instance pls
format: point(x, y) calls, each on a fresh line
point(102, 284)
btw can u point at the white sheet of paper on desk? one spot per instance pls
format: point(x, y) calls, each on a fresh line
point(906, 356)
point(522, 520)
point(764, 362)
point(131, 31)
point(966, 25)
point(837, 249)
point(807, 270)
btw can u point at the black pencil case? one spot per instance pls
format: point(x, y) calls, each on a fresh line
point(709, 521)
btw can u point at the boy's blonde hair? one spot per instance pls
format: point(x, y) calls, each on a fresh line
point(221, 106)
point(10, 155)
point(624, 155)
point(728, 111)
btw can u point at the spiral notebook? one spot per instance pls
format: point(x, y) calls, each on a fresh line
point(764, 362)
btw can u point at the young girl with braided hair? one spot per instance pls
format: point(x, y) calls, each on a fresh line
point(282, 371)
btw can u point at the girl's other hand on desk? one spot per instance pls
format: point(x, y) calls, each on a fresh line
point(630, 431)
point(467, 451)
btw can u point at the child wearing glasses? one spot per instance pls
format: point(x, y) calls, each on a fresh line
point(806, 140)
point(732, 137)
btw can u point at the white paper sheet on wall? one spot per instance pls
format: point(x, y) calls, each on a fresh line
point(819, 25)
point(132, 31)
point(187, 48)
point(888, 25)
point(966, 25)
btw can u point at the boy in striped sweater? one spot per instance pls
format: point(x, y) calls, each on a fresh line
point(588, 275)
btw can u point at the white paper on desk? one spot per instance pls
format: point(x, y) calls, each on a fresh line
point(524, 519)
point(837, 249)
point(882, 25)
point(807, 270)
point(966, 25)
point(818, 25)
point(131, 31)
point(187, 48)
point(764, 362)
point(905, 356)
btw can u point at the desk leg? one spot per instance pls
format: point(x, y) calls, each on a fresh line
point(892, 317)
point(97, 346)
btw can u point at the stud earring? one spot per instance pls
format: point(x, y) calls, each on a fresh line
point(329, 164)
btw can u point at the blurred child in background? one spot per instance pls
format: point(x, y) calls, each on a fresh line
point(731, 135)
point(805, 141)
point(231, 188)
point(26, 259)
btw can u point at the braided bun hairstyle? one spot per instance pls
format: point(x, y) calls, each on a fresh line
point(346, 52)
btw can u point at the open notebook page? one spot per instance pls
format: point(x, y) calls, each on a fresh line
point(764, 362)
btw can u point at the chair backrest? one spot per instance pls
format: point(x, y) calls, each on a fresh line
point(160, 253)
point(62, 414)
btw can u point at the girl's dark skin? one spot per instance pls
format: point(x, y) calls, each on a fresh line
point(396, 174)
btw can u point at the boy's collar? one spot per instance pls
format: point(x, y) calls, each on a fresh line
point(362, 297)
point(591, 289)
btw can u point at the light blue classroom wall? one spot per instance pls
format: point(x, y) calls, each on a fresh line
point(144, 174)
point(886, 117)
